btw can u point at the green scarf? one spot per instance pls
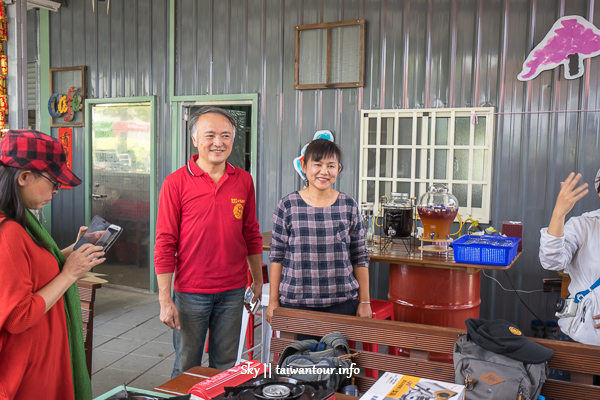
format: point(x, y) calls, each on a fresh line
point(81, 379)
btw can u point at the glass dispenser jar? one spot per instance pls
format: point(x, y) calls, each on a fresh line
point(397, 216)
point(437, 209)
point(367, 220)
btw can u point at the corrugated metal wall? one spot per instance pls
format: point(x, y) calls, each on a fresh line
point(126, 55)
point(422, 53)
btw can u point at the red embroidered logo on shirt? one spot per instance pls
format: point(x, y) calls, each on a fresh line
point(238, 211)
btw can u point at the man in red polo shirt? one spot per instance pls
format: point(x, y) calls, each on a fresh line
point(207, 234)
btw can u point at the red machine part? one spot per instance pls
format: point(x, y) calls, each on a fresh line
point(214, 386)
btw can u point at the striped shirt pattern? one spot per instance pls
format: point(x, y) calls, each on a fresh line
point(319, 247)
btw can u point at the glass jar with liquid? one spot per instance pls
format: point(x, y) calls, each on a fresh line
point(437, 209)
point(397, 216)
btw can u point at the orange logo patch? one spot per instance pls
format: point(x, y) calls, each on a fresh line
point(491, 378)
point(515, 331)
point(238, 211)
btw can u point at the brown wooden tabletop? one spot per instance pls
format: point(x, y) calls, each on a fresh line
point(396, 254)
point(181, 384)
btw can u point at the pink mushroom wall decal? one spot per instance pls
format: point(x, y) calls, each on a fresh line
point(571, 40)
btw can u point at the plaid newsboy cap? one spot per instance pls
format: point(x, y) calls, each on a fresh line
point(36, 151)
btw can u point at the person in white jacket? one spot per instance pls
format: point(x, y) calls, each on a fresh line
point(575, 248)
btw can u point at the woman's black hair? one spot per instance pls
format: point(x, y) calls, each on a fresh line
point(597, 185)
point(10, 201)
point(319, 149)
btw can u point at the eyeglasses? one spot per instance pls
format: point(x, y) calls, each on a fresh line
point(54, 183)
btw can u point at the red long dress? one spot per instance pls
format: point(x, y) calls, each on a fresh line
point(34, 348)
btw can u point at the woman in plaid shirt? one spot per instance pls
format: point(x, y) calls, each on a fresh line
point(318, 255)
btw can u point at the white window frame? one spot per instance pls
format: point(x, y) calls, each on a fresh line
point(427, 146)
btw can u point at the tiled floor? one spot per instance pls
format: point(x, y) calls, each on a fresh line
point(131, 345)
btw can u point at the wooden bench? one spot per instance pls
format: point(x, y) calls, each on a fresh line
point(420, 340)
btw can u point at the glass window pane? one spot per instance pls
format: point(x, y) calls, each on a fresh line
point(461, 165)
point(312, 63)
point(405, 131)
point(371, 191)
point(478, 164)
point(460, 191)
point(371, 154)
point(480, 132)
point(422, 164)
point(462, 131)
point(385, 189)
point(372, 130)
point(430, 133)
point(420, 131)
point(239, 156)
point(477, 196)
point(403, 187)
point(387, 131)
point(420, 188)
point(345, 54)
point(385, 163)
point(441, 131)
point(404, 163)
point(440, 163)
point(121, 165)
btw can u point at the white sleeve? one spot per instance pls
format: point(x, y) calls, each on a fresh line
point(556, 253)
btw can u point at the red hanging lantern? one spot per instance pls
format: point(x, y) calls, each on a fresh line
point(3, 84)
point(3, 31)
point(2, 120)
point(3, 104)
point(3, 64)
point(2, 12)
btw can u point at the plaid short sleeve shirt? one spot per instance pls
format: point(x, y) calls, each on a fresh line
point(319, 248)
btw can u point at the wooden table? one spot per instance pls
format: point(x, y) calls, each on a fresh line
point(429, 288)
point(181, 384)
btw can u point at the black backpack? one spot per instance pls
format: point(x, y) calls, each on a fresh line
point(311, 360)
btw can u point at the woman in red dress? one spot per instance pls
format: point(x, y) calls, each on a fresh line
point(41, 340)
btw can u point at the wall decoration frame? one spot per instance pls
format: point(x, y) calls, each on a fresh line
point(62, 80)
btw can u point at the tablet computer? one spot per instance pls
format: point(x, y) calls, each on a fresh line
point(100, 233)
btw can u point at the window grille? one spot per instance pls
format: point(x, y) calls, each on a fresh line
point(406, 151)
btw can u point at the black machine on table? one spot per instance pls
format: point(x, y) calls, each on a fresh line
point(278, 388)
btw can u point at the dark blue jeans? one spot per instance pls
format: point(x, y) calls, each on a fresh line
point(219, 312)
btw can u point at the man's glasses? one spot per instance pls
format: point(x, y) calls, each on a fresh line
point(54, 183)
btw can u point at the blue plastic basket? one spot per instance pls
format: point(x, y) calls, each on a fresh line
point(491, 253)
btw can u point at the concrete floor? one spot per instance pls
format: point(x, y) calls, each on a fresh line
point(130, 344)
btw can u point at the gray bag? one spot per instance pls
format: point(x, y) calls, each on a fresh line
point(488, 375)
point(309, 360)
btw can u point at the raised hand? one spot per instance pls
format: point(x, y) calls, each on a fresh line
point(569, 194)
